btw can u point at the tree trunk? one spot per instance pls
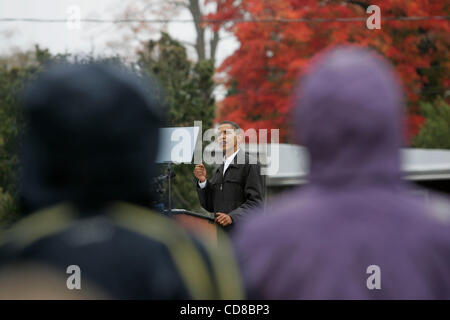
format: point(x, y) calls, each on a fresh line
point(194, 8)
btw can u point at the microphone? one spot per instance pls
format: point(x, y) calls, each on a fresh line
point(165, 176)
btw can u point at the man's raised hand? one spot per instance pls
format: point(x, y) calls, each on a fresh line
point(200, 172)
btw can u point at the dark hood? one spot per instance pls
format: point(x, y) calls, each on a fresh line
point(349, 116)
point(92, 136)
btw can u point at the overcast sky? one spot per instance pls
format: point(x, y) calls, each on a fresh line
point(92, 37)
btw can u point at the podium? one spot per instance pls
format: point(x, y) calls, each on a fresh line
point(196, 222)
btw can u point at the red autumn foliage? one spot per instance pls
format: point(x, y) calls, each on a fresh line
point(262, 72)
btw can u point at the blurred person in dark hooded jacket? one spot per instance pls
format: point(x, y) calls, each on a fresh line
point(356, 231)
point(88, 162)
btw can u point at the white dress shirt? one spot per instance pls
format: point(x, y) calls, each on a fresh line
point(226, 163)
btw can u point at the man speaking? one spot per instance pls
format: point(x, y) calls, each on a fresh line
point(236, 186)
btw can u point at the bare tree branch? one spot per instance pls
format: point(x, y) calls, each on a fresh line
point(168, 9)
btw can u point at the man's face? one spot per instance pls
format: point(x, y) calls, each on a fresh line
point(227, 137)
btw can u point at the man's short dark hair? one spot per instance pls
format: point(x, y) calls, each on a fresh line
point(233, 124)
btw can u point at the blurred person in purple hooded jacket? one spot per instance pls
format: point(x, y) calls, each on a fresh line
point(356, 231)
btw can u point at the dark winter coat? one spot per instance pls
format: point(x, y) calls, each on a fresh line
point(237, 192)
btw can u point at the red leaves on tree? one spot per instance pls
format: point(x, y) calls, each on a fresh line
point(272, 54)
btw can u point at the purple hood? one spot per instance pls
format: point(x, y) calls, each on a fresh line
point(349, 115)
point(317, 242)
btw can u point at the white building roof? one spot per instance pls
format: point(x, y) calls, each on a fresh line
point(293, 166)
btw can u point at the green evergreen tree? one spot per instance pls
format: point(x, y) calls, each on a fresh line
point(435, 133)
point(15, 71)
point(188, 97)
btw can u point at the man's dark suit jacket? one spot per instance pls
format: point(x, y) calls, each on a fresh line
point(237, 192)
